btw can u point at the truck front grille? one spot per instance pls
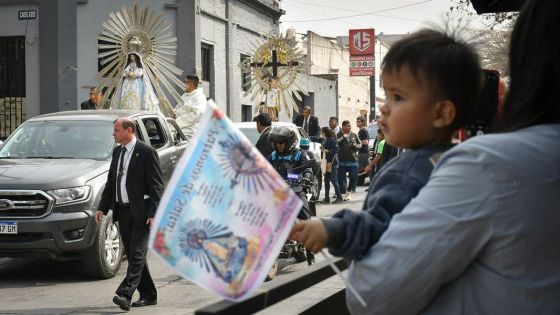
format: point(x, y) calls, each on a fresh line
point(24, 204)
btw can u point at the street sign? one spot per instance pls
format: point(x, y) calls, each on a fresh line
point(362, 42)
point(27, 14)
point(362, 49)
point(362, 66)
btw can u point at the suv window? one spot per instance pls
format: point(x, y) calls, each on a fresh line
point(176, 133)
point(155, 132)
point(60, 139)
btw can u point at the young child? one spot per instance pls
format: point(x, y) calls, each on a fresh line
point(432, 83)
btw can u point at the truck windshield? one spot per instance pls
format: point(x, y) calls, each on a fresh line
point(60, 139)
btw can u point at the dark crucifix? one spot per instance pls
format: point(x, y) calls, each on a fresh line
point(274, 64)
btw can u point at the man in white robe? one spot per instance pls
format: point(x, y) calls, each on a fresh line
point(194, 104)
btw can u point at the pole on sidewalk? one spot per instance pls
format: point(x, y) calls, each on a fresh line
point(371, 98)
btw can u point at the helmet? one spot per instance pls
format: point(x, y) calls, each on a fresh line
point(304, 143)
point(283, 134)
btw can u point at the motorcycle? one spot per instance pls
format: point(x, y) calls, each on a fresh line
point(292, 249)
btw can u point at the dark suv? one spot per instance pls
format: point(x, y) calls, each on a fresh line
point(53, 169)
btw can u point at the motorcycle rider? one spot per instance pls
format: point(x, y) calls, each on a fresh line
point(288, 160)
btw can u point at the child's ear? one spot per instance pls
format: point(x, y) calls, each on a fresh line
point(444, 114)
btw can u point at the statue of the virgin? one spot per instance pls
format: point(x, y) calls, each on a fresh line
point(138, 54)
point(135, 90)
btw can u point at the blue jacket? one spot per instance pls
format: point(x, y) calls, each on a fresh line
point(331, 145)
point(351, 233)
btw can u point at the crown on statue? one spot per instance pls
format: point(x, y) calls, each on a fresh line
point(134, 44)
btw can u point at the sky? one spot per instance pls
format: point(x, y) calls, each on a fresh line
point(390, 17)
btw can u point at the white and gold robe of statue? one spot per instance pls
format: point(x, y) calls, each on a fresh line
point(136, 92)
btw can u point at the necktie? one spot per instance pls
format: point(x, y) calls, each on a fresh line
point(306, 125)
point(120, 174)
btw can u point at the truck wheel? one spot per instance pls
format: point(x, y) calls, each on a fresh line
point(103, 259)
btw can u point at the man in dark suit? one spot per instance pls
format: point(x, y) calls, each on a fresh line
point(263, 127)
point(94, 98)
point(133, 190)
point(308, 122)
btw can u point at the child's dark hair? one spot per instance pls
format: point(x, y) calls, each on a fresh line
point(449, 67)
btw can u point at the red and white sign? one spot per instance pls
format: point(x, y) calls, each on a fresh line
point(362, 66)
point(362, 42)
point(362, 49)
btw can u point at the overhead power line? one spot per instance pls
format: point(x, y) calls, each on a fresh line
point(293, 2)
point(361, 14)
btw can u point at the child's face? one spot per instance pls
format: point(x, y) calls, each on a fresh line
point(409, 111)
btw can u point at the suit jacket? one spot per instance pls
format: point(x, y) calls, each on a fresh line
point(144, 183)
point(314, 128)
point(88, 104)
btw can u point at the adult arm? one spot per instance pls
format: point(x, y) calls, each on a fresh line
point(154, 181)
point(431, 242)
point(317, 132)
point(355, 141)
point(107, 194)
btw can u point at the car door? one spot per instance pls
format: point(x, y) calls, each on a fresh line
point(178, 138)
point(159, 139)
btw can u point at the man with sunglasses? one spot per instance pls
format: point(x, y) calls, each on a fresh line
point(94, 97)
point(193, 106)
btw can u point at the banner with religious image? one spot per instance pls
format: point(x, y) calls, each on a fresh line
point(225, 213)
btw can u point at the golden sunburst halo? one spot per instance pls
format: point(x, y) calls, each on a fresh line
point(143, 31)
point(275, 65)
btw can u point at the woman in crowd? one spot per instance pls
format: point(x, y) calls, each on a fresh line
point(330, 154)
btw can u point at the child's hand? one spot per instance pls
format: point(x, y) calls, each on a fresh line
point(312, 233)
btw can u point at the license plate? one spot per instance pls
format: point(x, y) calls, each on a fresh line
point(8, 227)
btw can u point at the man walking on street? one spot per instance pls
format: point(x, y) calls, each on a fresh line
point(333, 124)
point(349, 144)
point(133, 190)
point(363, 153)
point(263, 127)
point(308, 122)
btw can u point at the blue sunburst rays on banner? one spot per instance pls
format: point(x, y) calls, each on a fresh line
point(238, 159)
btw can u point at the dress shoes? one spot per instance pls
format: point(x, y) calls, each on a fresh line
point(122, 302)
point(143, 302)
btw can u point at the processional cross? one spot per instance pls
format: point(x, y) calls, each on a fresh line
point(275, 65)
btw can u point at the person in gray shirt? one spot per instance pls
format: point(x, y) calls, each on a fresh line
point(483, 236)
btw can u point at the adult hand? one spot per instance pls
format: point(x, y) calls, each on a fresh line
point(312, 233)
point(98, 216)
point(150, 222)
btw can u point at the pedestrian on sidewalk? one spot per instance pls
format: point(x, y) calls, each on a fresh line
point(363, 152)
point(330, 154)
point(349, 144)
point(308, 122)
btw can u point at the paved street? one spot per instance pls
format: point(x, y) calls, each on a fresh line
point(43, 287)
